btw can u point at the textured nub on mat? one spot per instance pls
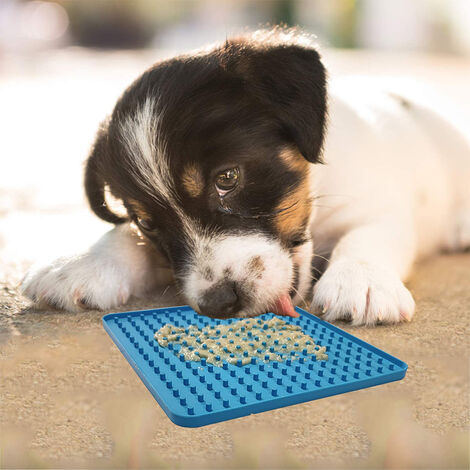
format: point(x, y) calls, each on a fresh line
point(239, 342)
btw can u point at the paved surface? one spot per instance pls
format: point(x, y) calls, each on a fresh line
point(69, 399)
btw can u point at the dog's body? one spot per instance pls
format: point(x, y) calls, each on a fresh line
point(397, 175)
point(394, 187)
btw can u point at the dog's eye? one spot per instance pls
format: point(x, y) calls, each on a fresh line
point(146, 225)
point(227, 180)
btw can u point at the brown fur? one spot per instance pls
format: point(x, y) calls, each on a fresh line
point(296, 206)
point(256, 266)
point(294, 161)
point(138, 209)
point(207, 274)
point(228, 273)
point(192, 180)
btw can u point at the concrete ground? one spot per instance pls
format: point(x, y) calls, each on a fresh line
point(68, 398)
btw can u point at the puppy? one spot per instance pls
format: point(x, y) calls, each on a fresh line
point(232, 177)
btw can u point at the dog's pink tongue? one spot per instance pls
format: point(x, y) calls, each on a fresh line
point(283, 306)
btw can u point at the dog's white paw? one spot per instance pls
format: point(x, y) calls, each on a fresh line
point(364, 293)
point(82, 282)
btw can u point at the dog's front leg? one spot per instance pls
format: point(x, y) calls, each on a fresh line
point(121, 264)
point(363, 281)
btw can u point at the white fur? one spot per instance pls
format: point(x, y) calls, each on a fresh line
point(119, 265)
point(363, 292)
point(145, 149)
point(391, 195)
point(234, 253)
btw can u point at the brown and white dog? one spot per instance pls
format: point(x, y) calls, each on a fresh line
point(221, 157)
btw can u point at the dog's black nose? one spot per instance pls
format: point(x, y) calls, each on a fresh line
point(220, 300)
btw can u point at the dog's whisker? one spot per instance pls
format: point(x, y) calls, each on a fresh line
point(321, 196)
point(314, 278)
point(165, 290)
point(302, 298)
point(317, 270)
point(323, 206)
point(320, 256)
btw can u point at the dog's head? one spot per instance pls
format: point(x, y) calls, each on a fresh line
point(211, 155)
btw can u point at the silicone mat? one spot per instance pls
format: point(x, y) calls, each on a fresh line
point(195, 393)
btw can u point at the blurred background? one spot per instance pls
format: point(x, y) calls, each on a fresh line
point(67, 397)
point(421, 25)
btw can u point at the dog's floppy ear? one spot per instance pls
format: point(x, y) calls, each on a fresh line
point(95, 183)
point(290, 80)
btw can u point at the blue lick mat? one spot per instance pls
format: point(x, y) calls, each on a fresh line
point(195, 394)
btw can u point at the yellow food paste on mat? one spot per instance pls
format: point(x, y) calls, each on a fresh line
point(271, 340)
